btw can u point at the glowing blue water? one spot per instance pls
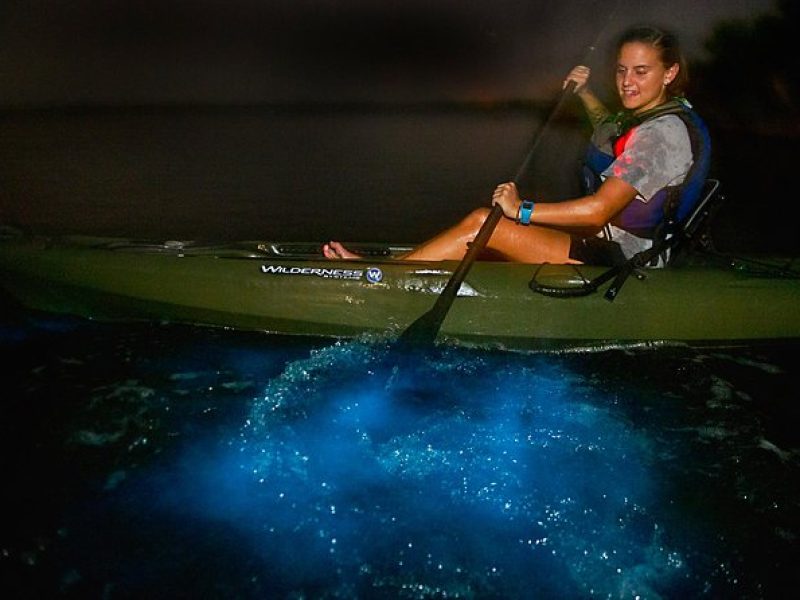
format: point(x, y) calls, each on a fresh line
point(188, 463)
point(506, 481)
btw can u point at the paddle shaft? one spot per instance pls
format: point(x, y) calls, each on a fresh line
point(568, 90)
point(425, 329)
point(565, 94)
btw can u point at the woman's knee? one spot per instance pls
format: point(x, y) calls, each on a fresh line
point(475, 219)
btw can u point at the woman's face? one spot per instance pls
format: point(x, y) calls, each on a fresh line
point(642, 78)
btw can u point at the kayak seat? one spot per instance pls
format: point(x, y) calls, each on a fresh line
point(675, 242)
point(695, 230)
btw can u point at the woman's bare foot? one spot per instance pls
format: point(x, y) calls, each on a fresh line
point(336, 251)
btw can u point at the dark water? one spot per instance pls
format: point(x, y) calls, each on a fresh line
point(157, 461)
point(147, 461)
point(280, 173)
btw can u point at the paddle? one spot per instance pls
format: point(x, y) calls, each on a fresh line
point(425, 329)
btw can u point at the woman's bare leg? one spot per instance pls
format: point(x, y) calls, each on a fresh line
point(514, 242)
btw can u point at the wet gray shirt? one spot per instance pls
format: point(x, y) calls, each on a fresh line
point(658, 154)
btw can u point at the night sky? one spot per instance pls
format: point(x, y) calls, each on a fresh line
point(251, 51)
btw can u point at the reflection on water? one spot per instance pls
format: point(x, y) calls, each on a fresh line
point(146, 461)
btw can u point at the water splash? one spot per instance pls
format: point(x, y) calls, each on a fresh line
point(506, 481)
point(650, 472)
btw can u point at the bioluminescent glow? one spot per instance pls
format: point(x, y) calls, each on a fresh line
point(195, 464)
point(507, 481)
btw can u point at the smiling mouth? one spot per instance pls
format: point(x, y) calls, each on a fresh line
point(630, 95)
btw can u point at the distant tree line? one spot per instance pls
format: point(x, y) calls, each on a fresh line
point(751, 78)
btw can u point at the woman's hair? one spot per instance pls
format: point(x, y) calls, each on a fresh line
point(669, 51)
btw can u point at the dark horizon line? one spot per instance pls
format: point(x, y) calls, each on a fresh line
point(286, 106)
point(571, 111)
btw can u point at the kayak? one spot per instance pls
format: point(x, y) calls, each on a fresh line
point(290, 288)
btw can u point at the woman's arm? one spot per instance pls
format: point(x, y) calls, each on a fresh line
point(594, 210)
point(592, 105)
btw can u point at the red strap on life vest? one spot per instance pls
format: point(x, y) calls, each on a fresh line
point(621, 141)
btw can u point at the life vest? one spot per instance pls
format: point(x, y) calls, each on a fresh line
point(670, 203)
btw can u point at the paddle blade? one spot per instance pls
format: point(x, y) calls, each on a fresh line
point(424, 330)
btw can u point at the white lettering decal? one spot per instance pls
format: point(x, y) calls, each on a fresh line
point(312, 271)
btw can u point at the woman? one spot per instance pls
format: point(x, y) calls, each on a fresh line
point(650, 72)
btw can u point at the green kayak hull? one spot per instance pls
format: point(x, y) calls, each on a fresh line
point(291, 289)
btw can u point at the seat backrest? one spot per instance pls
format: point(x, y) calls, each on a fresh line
point(693, 230)
point(681, 238)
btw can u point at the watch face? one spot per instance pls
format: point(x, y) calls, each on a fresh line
point(527, 204)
